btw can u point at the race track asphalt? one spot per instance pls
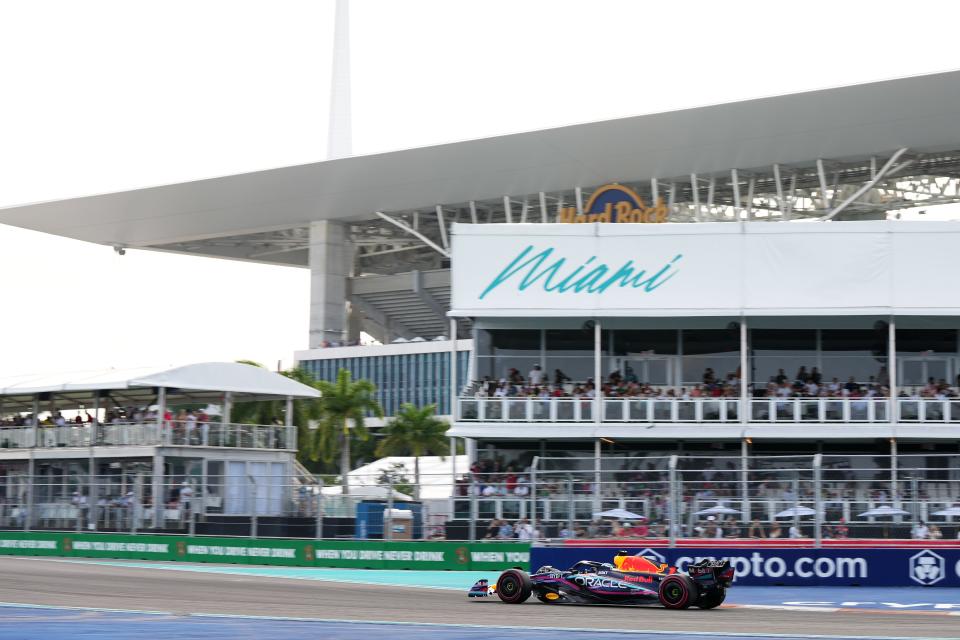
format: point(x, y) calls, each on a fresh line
point(67, 584)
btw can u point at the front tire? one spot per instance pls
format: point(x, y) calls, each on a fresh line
point(712, 599)
point(514, 586)
point(677, 592)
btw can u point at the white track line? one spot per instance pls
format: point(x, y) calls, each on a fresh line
point(447, 625)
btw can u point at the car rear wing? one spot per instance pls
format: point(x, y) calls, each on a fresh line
point(710, 571)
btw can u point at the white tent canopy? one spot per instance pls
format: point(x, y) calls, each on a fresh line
point(202, 380)
point(436, 474)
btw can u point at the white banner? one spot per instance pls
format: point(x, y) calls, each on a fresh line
point(812, 268)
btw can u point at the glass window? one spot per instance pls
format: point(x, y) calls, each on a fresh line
point(786, 349)
point(705, 351)
point(570, 351)
point(499, 350)
point(922, 340)
point(860, 354)
point(658, 341)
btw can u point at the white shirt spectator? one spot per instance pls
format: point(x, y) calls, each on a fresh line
point(536, 376)
point(921, 532)
point(186, 493)
point(794, 532)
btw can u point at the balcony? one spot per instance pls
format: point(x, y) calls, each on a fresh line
point(708, 410)
point(210, 434)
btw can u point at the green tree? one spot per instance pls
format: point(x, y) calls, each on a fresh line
point(415, 431)
point(344, 403)
point(305, 411)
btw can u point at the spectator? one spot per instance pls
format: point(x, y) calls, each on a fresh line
point(921, 531)
point(536, 376)
point(756, 530)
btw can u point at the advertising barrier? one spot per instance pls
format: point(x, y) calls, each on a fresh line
point(934, 567)
point(458, 556)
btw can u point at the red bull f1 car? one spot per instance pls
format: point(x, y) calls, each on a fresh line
point(630, 580)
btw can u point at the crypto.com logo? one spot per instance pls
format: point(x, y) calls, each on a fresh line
point(927, 568)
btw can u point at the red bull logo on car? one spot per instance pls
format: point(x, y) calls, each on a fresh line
point(616, 203)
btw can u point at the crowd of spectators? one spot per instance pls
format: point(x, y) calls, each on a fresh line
point(617, 385)
point(805, 384)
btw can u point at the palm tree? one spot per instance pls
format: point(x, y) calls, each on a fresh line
point(305, 411)
point(415, 431)
point(343, 402)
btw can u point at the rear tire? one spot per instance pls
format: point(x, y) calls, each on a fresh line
point(712, 599)
point(514, 586)
point(677, 592)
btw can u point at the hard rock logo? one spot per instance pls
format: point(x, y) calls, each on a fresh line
point(616, 203)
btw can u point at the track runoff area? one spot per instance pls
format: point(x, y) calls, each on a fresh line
point(69, 598)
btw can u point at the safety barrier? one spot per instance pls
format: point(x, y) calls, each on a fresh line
point(933, 566)
point(272, 551)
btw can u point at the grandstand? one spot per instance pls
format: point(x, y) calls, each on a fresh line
point(775, 282)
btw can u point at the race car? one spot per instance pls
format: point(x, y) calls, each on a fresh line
point(630, 580)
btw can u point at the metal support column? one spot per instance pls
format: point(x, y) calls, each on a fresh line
point(597, 468)
point(474, 512)
point(388, 519)
point(746, 514)
point(454, 393)
point(26, 506)
point(894, 410)
point(36, 421)
point(252, 500)
point(319, 509)
point(453, 474)
point(92, 489)
point(894, 494)
point(163, 433)
point(533, 493)
point(158, 494)
point(227, 407)
point(735, 183)
point(779, 185)
point(597, 374)
point(744, 372)
point(695, 191)
point(817, 500)
point(672, 507)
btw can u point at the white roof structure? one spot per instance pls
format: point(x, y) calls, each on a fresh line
point(207, 380)
point(837, 124)
point(862, 152)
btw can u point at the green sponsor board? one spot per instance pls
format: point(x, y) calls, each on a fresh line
point(367, 554)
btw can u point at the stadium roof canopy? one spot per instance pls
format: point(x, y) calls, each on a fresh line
point(264, 215)
point(206, 381)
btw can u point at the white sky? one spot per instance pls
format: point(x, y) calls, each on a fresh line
point(108, 95)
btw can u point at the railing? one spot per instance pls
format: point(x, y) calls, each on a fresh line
point(589, 497)
point(202, 434)
point(819, 410)
point(709, 410)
